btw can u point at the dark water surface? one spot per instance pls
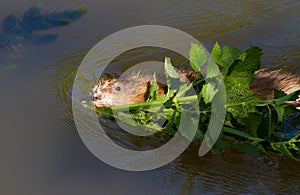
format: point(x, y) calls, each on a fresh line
point(42, 154)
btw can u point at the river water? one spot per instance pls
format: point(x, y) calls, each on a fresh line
point(41, 153)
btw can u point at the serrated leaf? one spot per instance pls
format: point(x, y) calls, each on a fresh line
point(216, 51)
point(280, 112)
point(153, 91)
point(169, 69)
point(186, 122)
point(208, 92)
point(247, 62)
point(212, 69)
point(237, 80)
point(216, 54)
point(198, 57)
point(183, 89)
point(229, 55)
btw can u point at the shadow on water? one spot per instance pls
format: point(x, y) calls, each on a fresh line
point(23, 32)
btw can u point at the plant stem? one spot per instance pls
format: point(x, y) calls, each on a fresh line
point(241, 103)
point(181, 100)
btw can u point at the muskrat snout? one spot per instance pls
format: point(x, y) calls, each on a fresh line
point(93, 98)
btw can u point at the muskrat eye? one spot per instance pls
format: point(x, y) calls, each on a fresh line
point(118, 88)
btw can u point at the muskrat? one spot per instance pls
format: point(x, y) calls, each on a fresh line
point(134, 88)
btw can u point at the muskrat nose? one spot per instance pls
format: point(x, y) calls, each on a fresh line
point(94, 98)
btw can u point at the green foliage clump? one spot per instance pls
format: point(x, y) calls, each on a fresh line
point(254, 124)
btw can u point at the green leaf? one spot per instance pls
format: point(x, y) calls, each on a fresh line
point(290, 148)
point(219, 147)
point(208, 92)
point(290, 109)
point(169, 69)
point(153, 92)
point(212, 69)
point(216, 54)
point(183, 89)
point(229, 55)
point(172, 77)
point(240, 100)
point(172, 117)
point(246, 64)
point(198, 57)
point(237, 132)
point(291, 96)
point(216, 51)
point(253, 122)
point(238, 78)
point(280, 112)
point(186, 121)
point(279, 94)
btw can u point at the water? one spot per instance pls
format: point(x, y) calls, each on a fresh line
point(42, 154)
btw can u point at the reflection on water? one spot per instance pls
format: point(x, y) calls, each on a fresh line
point(18, 33)
point(271, 24)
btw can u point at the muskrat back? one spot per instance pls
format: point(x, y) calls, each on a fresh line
point(134, 87)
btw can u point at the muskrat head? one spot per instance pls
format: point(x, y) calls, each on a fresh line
point(131, 87)
point(118, 91)
point(108, 92)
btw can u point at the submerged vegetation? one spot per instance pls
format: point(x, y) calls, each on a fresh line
point(251, 124)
